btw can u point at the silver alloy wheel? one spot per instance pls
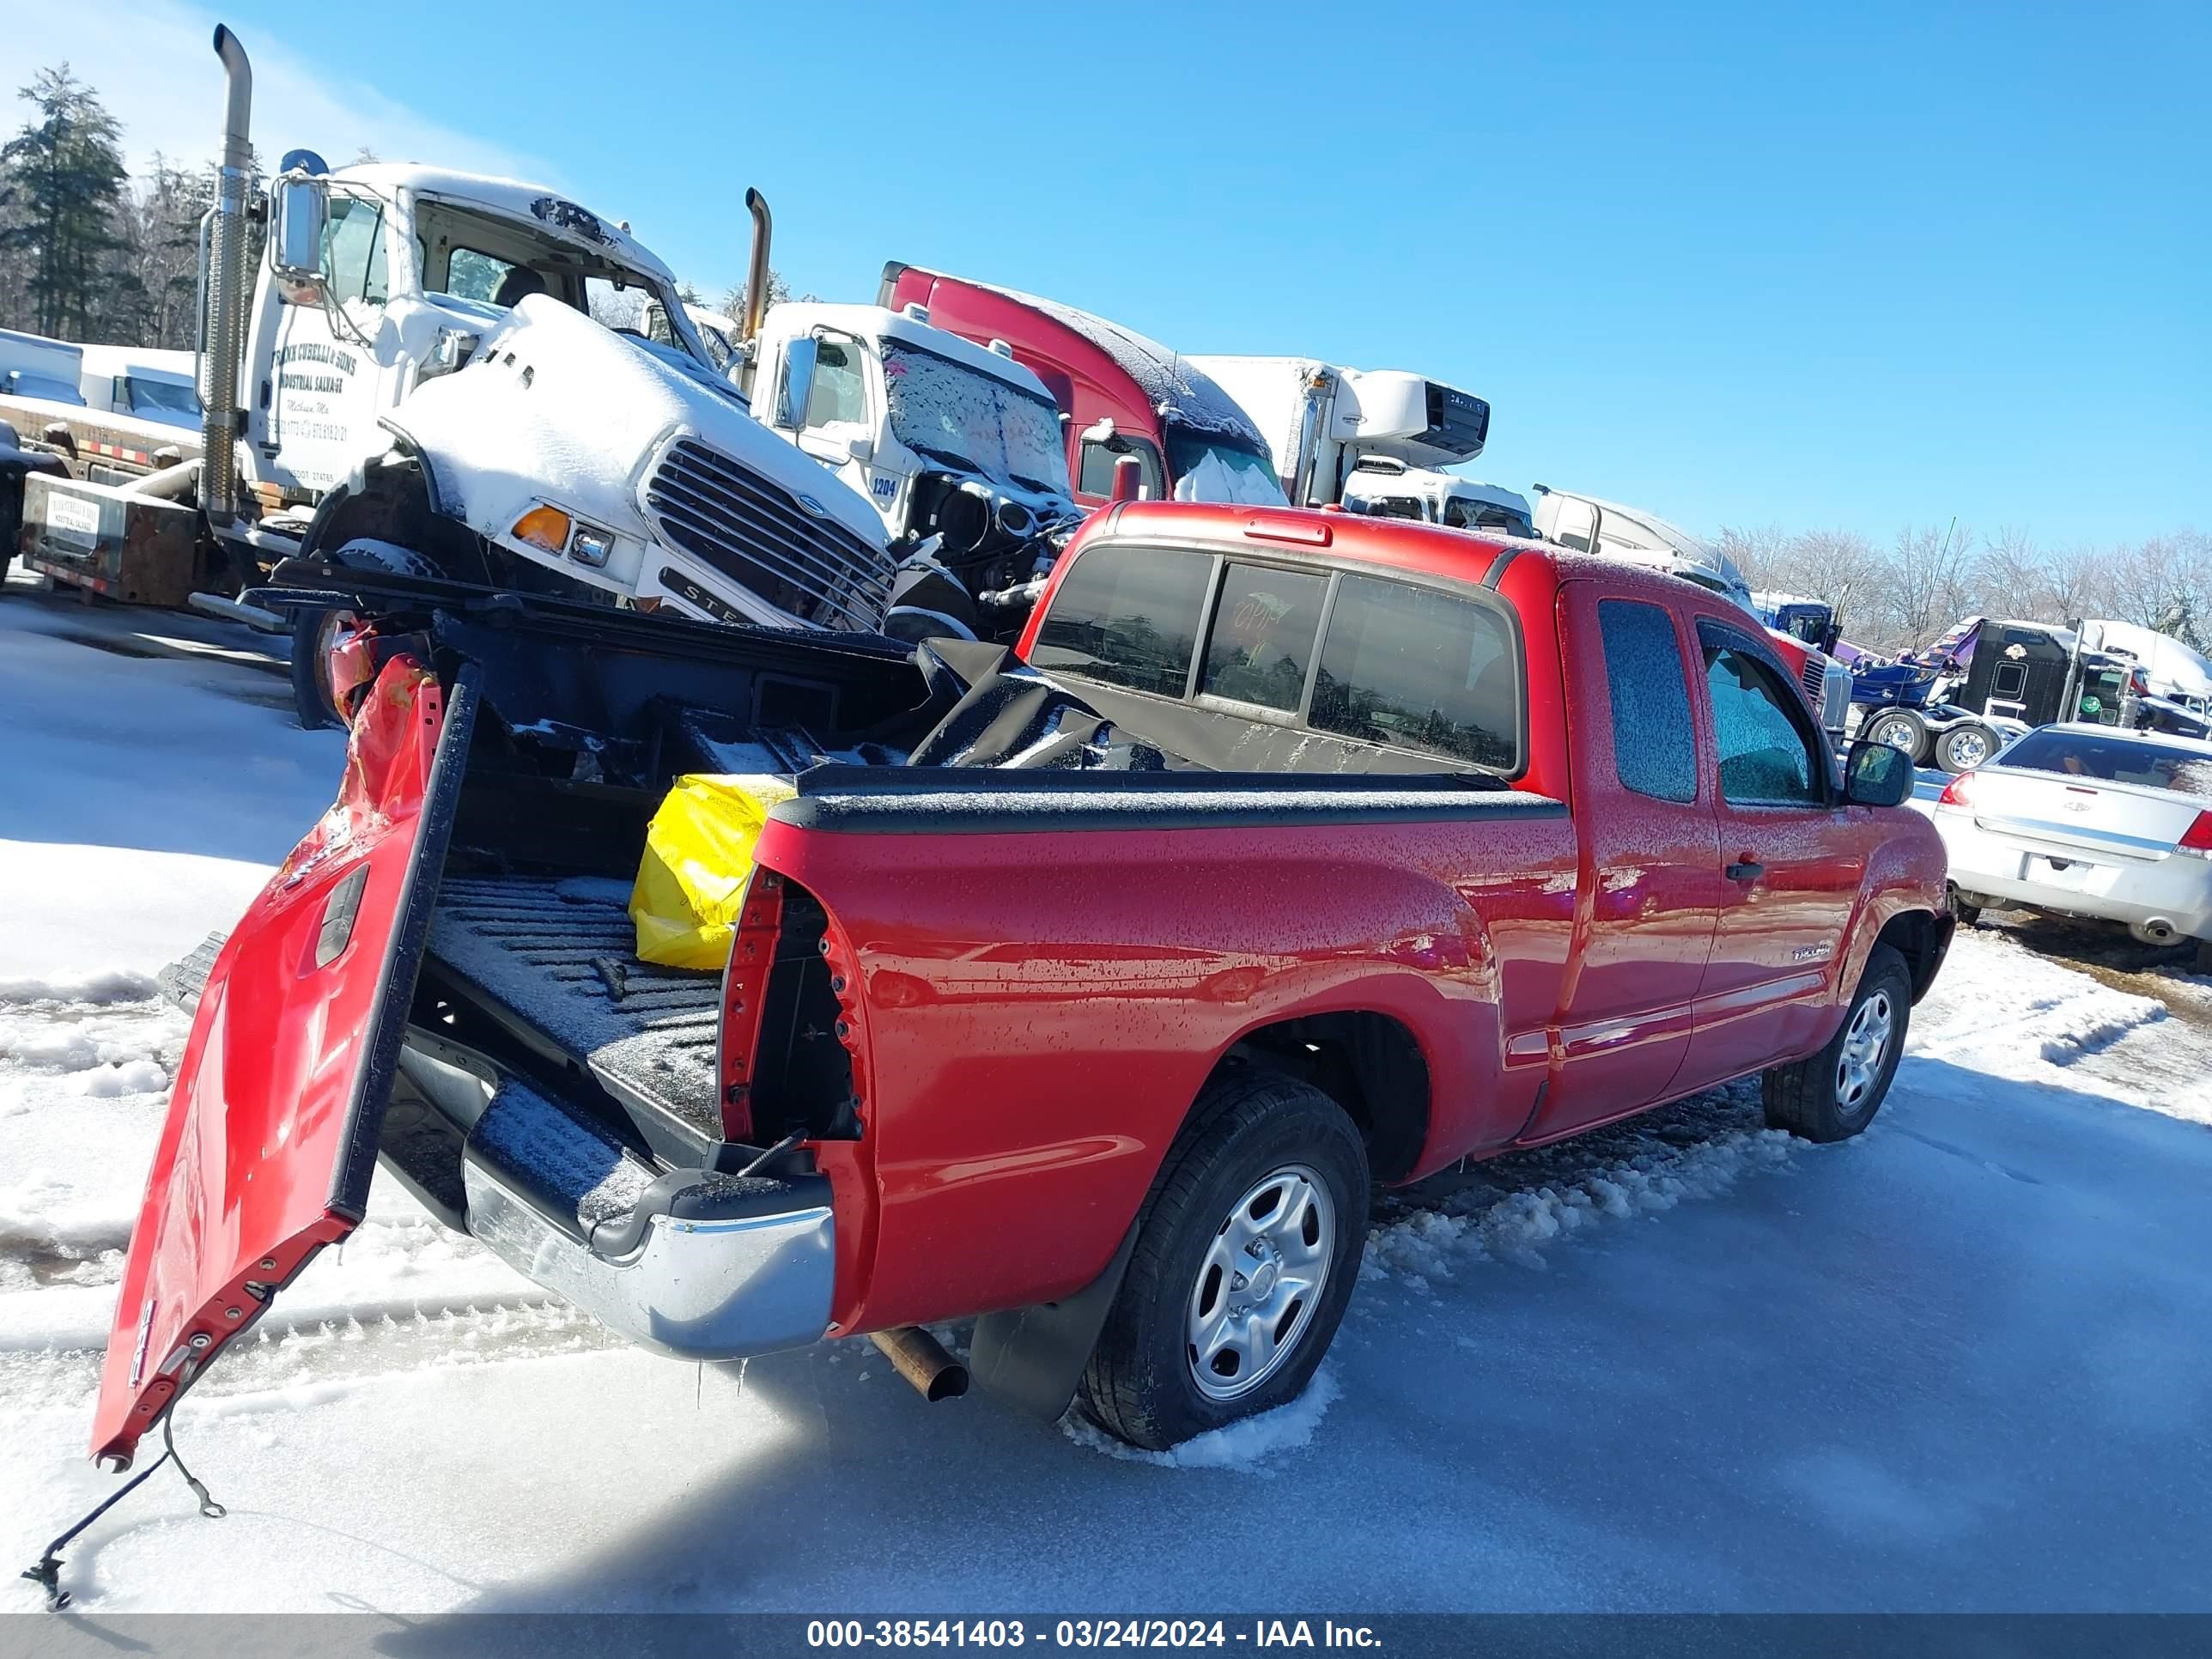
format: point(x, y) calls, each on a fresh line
point(1969, 749)
point(1260, 1283)
point(1866, 1044)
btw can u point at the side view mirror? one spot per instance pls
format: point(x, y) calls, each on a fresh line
point(1831, 636)
point(861, 447)
point(796, 383)
point(299, 208)
point(1875, 775)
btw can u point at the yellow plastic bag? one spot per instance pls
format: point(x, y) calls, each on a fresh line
point(698, 855)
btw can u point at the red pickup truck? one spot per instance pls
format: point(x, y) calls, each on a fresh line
point(1088, 995)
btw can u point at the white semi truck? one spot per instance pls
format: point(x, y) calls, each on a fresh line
point(1589, 524)
point(1322, 423)
point(415, 368)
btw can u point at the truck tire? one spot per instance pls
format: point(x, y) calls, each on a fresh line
point(1248, 1243)
point(311, 632)
point(1834, 1094)
point(312, 703)
point(1901, 729)
point(1963, 748)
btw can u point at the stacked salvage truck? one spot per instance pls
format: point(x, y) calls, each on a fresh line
point(413, 381)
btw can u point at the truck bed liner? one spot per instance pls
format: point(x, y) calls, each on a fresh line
point(559, 958)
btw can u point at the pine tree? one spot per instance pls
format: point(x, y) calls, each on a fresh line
point(64, 198)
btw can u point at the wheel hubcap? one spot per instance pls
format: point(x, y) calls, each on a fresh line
point(1261, 1280)
point(1898, 734)
point(1866, 1042)
point(1969, 751)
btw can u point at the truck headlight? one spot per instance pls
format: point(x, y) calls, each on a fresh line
point(590, 546)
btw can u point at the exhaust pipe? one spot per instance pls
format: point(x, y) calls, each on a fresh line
point(922, 1359)
point(2157, 930)
point(757, 267)
point(225, 283)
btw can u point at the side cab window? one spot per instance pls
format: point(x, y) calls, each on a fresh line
point(1096, 475)
point(1770, 754)
point(839, 394)
point(1655, 747)
point(353, 251)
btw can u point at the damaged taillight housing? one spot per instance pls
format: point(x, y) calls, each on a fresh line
point(744, 998)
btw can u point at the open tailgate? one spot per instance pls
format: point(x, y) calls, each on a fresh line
point(272, 1131)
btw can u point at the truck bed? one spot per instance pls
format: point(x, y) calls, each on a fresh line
point(554, 962)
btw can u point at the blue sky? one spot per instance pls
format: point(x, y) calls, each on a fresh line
point(1742, 265)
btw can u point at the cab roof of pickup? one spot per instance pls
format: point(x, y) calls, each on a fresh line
point(1475, 558)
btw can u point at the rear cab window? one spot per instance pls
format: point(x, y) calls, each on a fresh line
point(1425, 668)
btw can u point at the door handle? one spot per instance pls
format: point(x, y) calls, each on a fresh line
point(1746, 870)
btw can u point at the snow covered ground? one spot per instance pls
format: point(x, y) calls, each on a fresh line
point(1685, 1363)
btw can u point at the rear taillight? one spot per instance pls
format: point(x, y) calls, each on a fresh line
point(744, 992)
point(1955, 793)
point(2197, 838)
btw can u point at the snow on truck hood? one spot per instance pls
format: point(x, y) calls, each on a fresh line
point(556, 407)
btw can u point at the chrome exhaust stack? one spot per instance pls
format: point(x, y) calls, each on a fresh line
point(757, 267)
point(225, 322)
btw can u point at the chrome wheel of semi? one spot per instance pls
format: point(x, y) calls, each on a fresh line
point(1866, 1045)
point(1898, 732)
point(1260, 1282)
point(1966, 750)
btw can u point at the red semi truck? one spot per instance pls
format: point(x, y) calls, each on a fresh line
point(1119, 392)
point(1088, 996)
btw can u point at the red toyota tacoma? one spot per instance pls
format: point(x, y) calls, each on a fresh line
point(1089, 993)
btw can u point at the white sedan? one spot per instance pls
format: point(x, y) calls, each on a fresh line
point(2088, 821)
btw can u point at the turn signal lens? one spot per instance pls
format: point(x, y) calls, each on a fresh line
point(1955, 793)
point(545, 527)
point(2197, 838)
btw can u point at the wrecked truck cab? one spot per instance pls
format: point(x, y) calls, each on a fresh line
point(598, 457)
point(957, 445)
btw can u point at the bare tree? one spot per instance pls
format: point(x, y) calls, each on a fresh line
point(1927, 582)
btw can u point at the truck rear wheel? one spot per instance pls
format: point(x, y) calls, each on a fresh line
point(1247, 1248)
point(1835, 1093)
point(1901, 729)
point(313, 632)
point(1963, 748)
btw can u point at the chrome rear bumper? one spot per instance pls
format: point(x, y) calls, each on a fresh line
point(693, 1265)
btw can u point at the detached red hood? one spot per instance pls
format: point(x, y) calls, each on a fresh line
point(272, 1129)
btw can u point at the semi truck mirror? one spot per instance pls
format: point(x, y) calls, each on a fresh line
point(1877, 775)
point(299, 206)
point(796, 383)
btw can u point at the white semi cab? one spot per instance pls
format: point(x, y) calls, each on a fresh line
point(1322, 423)
point(1384, 488)
point(413, 381)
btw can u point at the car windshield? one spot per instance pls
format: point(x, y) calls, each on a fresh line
point(2114, 760)
point(965, 418)
point(1208, 470)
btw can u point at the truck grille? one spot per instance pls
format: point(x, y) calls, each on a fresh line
point(1812, 677)
point(756, 533)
